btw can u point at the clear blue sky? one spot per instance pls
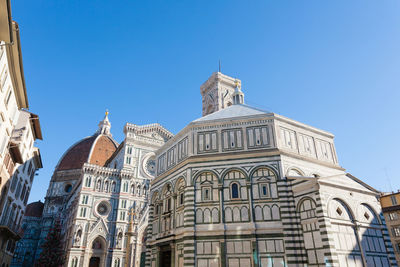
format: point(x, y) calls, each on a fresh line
point(334, 65)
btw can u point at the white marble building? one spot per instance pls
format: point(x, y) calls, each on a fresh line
point(246, 187)
point(99, 191)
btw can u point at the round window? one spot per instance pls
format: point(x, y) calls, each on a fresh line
point(68, 188)
point(149, 165)
point(102, 208)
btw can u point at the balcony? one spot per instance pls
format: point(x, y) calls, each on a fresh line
point(9, 228)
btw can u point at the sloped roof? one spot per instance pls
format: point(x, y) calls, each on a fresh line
point(234, 111)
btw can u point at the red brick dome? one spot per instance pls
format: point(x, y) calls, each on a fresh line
point(34, 209)
point(96, 149)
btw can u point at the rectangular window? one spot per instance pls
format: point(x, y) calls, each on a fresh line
point(8, 97)
point(264, 190)
point(123, 204)
point(128, 160)
point(85, 199)
point(232, 139)
point(393, 216)
point(181, 198)
point(1, 51)
point(88, 181)
point(206, 193)
point(14, 182)
point(30, 167)
point(394, 200)
point(396, 231)
point(288, 138)
point(4, 78)
point(3, 144)
point(156, 209)
point(122, 216)
point(27, 196)
point(169, 204)
point(171, 156)
point(207, 142)
point(182, 149)
point(24, 167)
point(83, 212)
point(306, 145)
point(23, 192)
point(258, 137)
point(161, 164)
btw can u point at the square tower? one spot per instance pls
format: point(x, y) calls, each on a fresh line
point(217, 92)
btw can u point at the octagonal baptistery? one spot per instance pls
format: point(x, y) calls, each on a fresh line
point(245, 187)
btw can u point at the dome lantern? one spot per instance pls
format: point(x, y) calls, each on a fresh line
point(238, 96)
point(105, 126)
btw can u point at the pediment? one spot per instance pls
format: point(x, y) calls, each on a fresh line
point(264, 179)
point(206, 182)
point(347, 180)
point(99, 228)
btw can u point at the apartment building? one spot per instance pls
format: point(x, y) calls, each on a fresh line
point(19, 129)
point(391, 210)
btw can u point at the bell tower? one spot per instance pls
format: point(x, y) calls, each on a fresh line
point(217, 92)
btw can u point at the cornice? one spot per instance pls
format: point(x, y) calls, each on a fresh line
point(105, 171)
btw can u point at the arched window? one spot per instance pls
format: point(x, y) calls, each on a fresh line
point(23, 192)
point(343, 228)
point(145, 190)
point(266, 181)
point(180, 187)
point(113, 187)
point(154, 202)
point(14, 183)
point(206, 187)
point(98, 185)
point(78, 237)
point(119, 240)
point(74, 262)
point(18, 188)
point(132, 189)
point(167, 198)
point(232, 182)
point(106, 186)
point(234, 190)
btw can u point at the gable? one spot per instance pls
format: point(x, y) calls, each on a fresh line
point(348, 181)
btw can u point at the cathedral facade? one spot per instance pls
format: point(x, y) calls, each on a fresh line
point(99, 192)
point(246, 187)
